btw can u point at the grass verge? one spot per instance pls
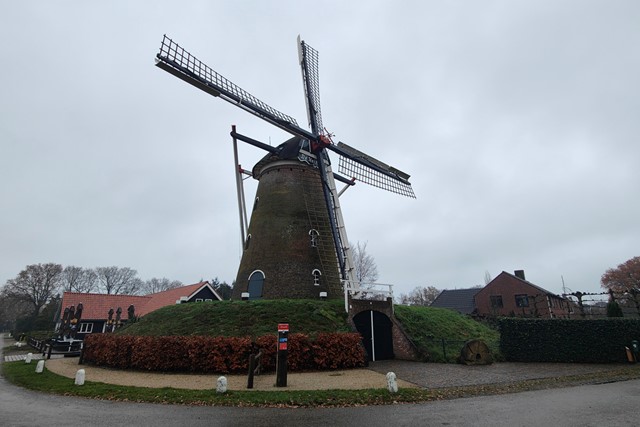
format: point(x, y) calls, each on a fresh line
point(22, 374)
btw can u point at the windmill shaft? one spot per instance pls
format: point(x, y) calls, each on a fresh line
point(253, 142)
point(242, 209)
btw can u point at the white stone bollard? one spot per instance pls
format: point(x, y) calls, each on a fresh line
point(40, 367)
point(392, 384)
point(28, 358)
point(80, 377)
point(221, 386)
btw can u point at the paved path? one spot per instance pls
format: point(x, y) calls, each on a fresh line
point(437, 375)
point(17, 357)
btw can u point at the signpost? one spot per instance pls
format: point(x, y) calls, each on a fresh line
point(281, 359)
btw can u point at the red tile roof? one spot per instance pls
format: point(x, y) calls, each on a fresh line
point(96, 306)
point(164, 298)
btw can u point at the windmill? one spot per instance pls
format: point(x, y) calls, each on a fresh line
point(295, 245)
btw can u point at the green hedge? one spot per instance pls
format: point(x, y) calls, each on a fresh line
point(222, 354)
point(567, 341)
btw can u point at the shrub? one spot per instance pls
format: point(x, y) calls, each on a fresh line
point(333, 351)
point(222, 354)
point(566, 341)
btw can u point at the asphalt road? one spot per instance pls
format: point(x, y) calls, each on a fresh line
point(613, 404)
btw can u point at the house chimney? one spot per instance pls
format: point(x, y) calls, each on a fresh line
point(519, 274)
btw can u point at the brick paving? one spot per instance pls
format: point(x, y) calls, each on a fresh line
point(438, 375)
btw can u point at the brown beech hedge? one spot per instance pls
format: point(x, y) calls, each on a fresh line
point(222, 355)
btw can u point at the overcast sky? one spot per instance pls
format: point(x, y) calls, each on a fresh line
point(518, 122)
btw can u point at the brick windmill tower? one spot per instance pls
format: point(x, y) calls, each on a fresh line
point(295, 245)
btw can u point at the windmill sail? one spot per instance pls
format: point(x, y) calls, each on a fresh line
point(308, 57)
point(361, 166)
point(177, 61)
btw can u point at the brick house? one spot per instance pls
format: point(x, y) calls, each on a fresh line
point(95, 307)
point(513, 295)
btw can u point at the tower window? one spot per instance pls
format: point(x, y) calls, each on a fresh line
point(246, 242)
point(314, 237)
point(316, 277)
point(255, 203)
point(256, 283)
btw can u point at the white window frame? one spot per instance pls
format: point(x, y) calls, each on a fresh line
point(314, 237)
point(85, 328)
point(316, 277)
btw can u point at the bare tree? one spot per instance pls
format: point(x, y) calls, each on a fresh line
point(625, 281)
point(420, 296)
point(35, 285)
point(78, 279)
point(487, 277)
point(11, 309)
point(365, 266)
point(116, 280)
point(154, 285)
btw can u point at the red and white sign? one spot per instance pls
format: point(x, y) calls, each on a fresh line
point(283, 327)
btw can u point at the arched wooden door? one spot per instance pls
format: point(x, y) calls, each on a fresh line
point(375, 328)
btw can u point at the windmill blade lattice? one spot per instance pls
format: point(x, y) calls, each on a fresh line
point(356, 164)
point(308, 57)
point(182, 64)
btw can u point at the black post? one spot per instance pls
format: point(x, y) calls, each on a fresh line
point(281, 360)
point(252, 364)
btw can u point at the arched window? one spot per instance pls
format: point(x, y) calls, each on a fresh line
point(255, 203)
point(314, 237)
point(256, 282)
point(316, 277)
point(246, 242)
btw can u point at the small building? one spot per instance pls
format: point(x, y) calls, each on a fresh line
point(460, 300)
point(95, 307)
point(513, 295)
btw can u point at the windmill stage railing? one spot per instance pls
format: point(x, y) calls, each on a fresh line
point(362, 290)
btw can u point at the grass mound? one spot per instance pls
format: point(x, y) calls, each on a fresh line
point(243, 318)
point(438, 332)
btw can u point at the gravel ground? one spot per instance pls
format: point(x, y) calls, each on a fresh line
point(348, 379)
